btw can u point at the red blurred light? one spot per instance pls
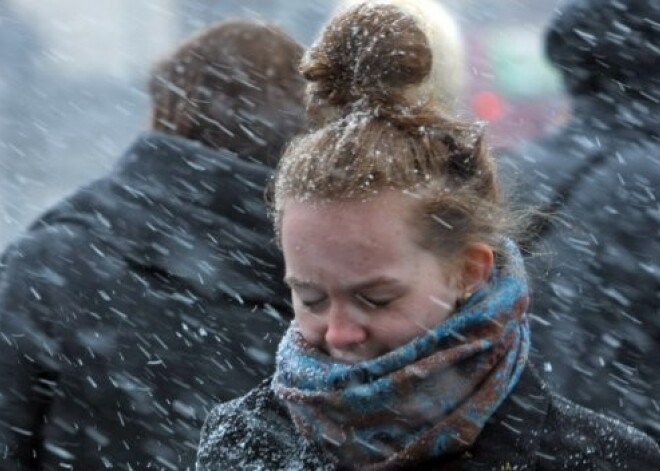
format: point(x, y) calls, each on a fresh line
point(488, 106)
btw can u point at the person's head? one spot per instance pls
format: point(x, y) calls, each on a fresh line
point(235, 85)
point(388, 215)
point(607, 47)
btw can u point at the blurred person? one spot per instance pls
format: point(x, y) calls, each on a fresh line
point(410, 339)
point(597, 289)
point(135, 304)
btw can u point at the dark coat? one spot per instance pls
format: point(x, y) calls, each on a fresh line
point(133, 307)
point(596, 273)
point(532, 430)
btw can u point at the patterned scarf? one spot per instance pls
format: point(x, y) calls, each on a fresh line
point(429, 397)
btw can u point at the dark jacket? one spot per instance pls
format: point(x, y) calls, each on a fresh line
point(596, 275)
point(532, 430)
point(133, 307)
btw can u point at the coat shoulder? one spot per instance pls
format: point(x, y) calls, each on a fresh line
point(255, 432)
point(57, 262)
point(575, 437)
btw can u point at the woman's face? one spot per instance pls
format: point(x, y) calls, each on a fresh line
point(360, 283)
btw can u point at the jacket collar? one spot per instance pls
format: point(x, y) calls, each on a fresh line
point(209, 224)
point(162, 165)
point(174, 207)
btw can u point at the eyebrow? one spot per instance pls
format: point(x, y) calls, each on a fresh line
point(294, 282)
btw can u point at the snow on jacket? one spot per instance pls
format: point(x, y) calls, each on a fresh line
point(532, 430)
point(596, 272)
point(132, 307)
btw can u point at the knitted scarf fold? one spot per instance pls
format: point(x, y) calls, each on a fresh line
point(425, 399)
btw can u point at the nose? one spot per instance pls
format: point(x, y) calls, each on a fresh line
point(342, 330)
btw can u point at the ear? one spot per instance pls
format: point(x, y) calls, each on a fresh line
point(478, 260)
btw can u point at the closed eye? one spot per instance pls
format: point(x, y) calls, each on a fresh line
point(373, 302)
point(312, 303)
point(307, 294)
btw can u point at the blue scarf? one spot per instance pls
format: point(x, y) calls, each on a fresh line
point(428, 398)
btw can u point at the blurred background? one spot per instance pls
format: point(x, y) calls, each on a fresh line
point(73, 80)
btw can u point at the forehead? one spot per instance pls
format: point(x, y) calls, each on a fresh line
point(387, 207)
point(376, 230)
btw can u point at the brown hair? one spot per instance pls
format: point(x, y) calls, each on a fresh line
point(234, 85)
point(364, 62)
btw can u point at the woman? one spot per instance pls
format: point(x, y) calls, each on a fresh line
point(410, 340)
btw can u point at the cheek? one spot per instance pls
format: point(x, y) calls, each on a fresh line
point(441, 298)
point(396, 330)
point(417, 317)
point(311, 327)
point(439, 308)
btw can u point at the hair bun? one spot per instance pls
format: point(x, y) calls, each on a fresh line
point(370, 52)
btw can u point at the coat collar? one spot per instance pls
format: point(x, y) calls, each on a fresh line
point(208, 223)
point(174, 207)
point(162, 165)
